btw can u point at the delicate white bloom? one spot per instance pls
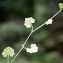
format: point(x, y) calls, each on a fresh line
point(8, 51)
point(33, 45)
point(29, 21)
point(28, 50)
point(33, 48)
point(49, 21)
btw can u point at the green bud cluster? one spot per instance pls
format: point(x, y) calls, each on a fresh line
point(61, 6)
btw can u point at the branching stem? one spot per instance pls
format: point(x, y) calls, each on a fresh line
point(30, 35)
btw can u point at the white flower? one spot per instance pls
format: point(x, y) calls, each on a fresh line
point(49, 21)
point(33, 48)
point(28, 50)
point(29, 21)
point(8, 51)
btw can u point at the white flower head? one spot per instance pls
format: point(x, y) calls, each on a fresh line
point(33, 45)
point(8, 51)
point(28, 50)
point(33, 48)
point(49, 21)
point(29, 21)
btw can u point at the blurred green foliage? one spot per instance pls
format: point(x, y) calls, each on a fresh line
point(49, 38)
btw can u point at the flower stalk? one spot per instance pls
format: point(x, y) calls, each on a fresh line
point(31, 34)
point(56, 14)
point(21, 47)
point(8, 59)
point(28, 23)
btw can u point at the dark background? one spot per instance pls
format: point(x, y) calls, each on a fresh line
point(49, 39)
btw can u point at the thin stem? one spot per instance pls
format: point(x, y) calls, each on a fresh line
point(38, 27)
point(27, 39)
point(21, 48)
point(56, 14)
point(32, 29)
point(8, 59)
point(16, 55)
point(26, 42)
point(31, 34)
